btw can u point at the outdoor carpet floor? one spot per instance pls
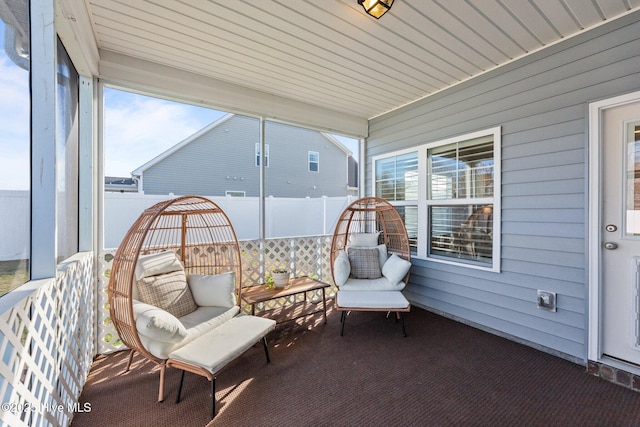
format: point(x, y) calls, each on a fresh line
point(443, 373)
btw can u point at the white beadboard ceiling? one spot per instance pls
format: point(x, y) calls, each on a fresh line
point(328, 53)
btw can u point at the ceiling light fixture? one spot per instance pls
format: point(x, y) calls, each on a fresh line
point(376, 8)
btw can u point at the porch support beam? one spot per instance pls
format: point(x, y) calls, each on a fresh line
point(138, 74)
point(43, 147)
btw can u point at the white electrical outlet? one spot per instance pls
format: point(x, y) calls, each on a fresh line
point(547, 300)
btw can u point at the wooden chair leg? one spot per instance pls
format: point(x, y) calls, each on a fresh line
point(163, 368)
point(404, 331)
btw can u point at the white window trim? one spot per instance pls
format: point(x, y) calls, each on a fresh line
point(309, 161)
point(423, 203)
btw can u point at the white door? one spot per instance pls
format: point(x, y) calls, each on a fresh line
point(621, 233)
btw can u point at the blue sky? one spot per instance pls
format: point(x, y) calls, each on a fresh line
point(14, 123)
point(138, 128)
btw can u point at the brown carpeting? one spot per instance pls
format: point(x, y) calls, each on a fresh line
point(444, 373)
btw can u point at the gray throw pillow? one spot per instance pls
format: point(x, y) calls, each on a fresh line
point(365, 263)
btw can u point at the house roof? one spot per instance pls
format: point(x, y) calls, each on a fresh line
point(138, 171)
point(325, 64)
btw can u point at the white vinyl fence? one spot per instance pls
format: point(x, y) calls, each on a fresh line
point(284, 217)
point(15, 220)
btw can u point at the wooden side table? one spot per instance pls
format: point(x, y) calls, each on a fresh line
point(261, 293)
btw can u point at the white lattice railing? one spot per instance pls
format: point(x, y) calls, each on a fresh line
point(305, 256)
point(47, 346)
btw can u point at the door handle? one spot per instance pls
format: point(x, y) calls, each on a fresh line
point(610, 245)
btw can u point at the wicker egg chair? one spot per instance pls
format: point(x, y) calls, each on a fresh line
point(369, 215)
point(200, 234)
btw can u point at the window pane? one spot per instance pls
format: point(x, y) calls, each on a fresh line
point(314, 161)
point(15, 141)
point(462, 170)
point(462, 232)
point(409, 215)
point(397, 177)
point(67, 156)
point(632, 177)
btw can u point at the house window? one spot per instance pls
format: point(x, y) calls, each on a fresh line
point(314, 161)
point(67, 167)
point(396, 179)
point(232, 193)
point(266, 155)
point(455, 219)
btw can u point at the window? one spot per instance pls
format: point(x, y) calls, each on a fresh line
point(15, 143)
point(67, 168)
point(216, 147)
point(314, 161)
point(396, 180)
point(266, 155)
point(457, 218)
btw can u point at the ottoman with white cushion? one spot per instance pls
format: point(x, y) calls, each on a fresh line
point(208, 354)
point(390, 301)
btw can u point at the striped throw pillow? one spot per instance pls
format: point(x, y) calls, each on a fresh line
point(169, 292)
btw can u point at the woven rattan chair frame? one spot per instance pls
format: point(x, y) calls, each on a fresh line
point(197, 230)
point(368, 215)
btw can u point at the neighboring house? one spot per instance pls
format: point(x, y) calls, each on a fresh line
point(120, 184)
point(223, 159)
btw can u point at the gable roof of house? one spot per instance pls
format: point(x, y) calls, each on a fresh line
point(140, 170)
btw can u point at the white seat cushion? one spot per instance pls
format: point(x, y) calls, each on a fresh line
point(215, 349)
point(197, 323)
point(381, 284)
point(205, 319)
point(371, 300)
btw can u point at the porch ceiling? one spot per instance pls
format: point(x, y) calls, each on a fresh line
point(330, 54)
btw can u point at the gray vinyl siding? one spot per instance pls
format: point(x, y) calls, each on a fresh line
point(541, 102)
point(288, 173)
point(223, 159)
point(202, 166)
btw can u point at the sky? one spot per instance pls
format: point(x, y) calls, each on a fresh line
point(14, 123)
point(138, 128)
